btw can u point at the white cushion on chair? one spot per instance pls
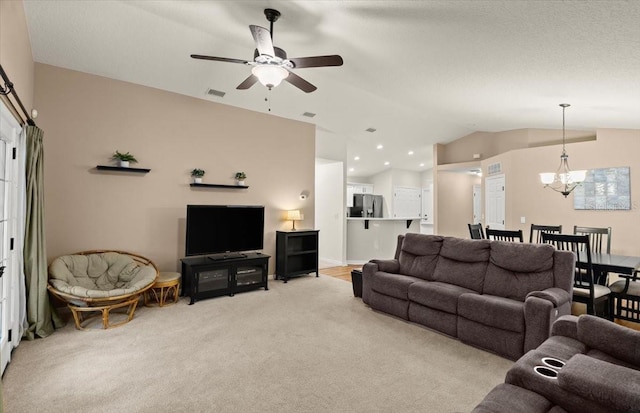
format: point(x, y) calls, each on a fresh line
point(618, 286)
point(598, 291)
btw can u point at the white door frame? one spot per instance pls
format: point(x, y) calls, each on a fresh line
point(494, 189)
point(10, 243)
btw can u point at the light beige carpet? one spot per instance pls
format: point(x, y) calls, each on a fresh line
point(304, 346)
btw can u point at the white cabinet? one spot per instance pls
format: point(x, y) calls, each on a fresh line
point(406, 202)
point(355, 188)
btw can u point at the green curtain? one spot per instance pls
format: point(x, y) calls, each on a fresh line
point(40, 312)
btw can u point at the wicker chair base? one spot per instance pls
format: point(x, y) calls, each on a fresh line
point(82, 315)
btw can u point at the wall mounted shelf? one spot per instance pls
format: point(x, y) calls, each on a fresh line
point(219, 186)
point(121, 169)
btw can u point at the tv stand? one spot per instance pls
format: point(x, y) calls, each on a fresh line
point(223, 274)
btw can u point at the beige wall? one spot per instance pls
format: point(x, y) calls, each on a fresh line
point(15, 50)
point(525, 195)
point(86, 118)
point(454, 203)
point(489, 144)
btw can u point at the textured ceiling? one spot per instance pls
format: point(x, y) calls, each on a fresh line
point(420, 72)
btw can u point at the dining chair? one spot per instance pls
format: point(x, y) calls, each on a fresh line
point(536, 232)
point(625, 298)
point(585, 290)
point(476, 231)
point(504, 235)
point(597, 237)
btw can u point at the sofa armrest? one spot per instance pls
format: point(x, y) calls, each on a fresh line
point(556, 295)
point(606, 383)
point(618, 341)
point(392, 266)
point(566, 326)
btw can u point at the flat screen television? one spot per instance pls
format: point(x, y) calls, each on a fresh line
point(218, 229)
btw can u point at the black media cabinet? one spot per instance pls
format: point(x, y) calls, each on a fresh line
point(215, 275)
point(296, 253)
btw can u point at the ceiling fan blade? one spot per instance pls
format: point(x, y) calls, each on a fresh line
point(317, 61)
point(219, 59)
point(248, 82)
point(262, 37)
point(300, 83)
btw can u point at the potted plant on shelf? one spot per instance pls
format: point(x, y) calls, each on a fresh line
point(124, 159)
point(240, 177)
point(197, 175)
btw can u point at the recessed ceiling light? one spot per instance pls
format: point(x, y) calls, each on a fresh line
point(379, 147)
point(356, 158)
point(351, 169)
point(410, 152)
point(422, 164)
point(386, 163)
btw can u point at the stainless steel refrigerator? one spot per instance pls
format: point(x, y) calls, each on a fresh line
point(370, 205)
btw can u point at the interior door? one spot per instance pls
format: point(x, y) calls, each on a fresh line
point(495, 202)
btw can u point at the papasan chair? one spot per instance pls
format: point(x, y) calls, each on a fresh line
point(93, 283)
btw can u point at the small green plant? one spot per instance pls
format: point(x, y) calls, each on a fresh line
point(126, 157)
point(197, 173)
point(240, 176)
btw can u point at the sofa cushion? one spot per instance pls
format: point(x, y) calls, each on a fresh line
point(621, 342)
point(517, 269)
point(437, 295)
point(493, 311)
point(463, 262)
point(419, 255)
point(608, 384)
point(394, 285)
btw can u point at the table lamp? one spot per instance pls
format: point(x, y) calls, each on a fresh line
point(293, 216)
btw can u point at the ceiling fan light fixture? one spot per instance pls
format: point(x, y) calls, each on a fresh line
point(270, 75)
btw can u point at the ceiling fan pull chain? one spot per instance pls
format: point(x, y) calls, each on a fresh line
point(266, 99)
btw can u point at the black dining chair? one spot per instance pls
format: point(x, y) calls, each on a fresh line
point(505, 235)
point(585, 290)
point(625, 298)
point(476, 231)
point(536, 232)
point(600, 242)
point(598, 238)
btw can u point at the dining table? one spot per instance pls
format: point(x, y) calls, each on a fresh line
point(623, 265)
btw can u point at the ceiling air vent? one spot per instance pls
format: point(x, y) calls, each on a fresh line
point(371, 130)
point(213, 92)
point(494, 168)
point(309, 114)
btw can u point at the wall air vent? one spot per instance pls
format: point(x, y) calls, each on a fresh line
point(213, 92)
point(371, 130)
point(309, 114)
point(494, 168)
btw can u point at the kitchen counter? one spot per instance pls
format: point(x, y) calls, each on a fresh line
point(369, 238)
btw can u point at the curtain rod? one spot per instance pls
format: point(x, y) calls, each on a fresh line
point(8, 88)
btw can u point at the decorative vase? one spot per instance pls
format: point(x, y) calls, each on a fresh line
point(123, 164)
point(197, 180)
point(241, 182)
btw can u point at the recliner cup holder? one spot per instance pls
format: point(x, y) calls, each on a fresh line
point(546, 372)
point(553, 362)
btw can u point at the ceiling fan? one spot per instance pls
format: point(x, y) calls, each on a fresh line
point(271, 65)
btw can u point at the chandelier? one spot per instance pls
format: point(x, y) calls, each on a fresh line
point(563, 180)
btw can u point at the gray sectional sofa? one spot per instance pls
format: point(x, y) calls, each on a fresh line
point(500, 296)
point(599, 371)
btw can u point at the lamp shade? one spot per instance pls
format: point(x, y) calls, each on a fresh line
point(270, 75)
point(294, 215)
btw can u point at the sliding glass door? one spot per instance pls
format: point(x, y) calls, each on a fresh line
point(11, 218)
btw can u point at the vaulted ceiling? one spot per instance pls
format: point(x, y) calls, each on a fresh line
point(419, 72)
